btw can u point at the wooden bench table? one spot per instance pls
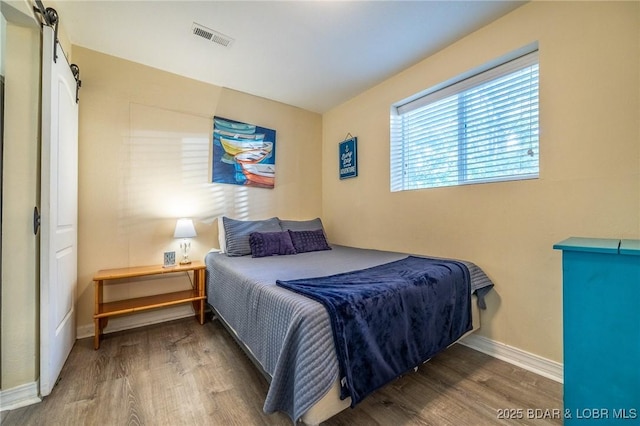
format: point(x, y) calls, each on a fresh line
point(104, 310)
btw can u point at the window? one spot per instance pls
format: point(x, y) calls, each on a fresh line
point(479, 129)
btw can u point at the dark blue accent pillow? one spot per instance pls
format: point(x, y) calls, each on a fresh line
point(265, 244)
point(305, 241)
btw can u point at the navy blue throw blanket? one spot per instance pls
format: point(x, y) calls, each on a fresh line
point(390, 318)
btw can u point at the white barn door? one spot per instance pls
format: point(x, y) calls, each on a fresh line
point(59, 211)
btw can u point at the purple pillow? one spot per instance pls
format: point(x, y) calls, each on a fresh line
point(270, 243)
point(305, 241)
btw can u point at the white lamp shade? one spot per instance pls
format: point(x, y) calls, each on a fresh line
point(184, 229)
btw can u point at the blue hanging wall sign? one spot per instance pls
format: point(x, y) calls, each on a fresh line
point(348, 157)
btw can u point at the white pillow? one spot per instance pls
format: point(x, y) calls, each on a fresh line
point(222, 235)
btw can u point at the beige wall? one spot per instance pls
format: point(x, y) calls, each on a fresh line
point(589, 181)
point(144, 151)
point(19, 256)
point(3, 37)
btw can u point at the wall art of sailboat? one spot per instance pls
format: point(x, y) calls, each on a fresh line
point(243, 154)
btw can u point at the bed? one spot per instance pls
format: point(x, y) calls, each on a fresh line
point(289, 335)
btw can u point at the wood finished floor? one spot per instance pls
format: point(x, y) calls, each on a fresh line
point(182, 373)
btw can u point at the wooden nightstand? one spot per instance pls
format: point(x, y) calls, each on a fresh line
point(104, 310)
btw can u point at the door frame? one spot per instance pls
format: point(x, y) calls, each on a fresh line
point(1, 192)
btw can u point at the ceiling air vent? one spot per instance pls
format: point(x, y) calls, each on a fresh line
point(211, 35)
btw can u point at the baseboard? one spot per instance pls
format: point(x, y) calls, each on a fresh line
point(544, 367)
point(19, 397)
point(126, 322)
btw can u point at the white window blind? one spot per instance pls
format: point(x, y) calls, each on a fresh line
point(481, 129)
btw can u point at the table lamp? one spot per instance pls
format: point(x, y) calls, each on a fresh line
point(185, 230)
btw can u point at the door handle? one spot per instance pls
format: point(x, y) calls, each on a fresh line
point(36, 220)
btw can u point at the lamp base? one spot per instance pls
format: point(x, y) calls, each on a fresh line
point(185, 246)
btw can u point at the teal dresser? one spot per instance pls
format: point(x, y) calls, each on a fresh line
point(601, 325)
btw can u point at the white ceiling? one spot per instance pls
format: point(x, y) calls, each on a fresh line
point(310, 54)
